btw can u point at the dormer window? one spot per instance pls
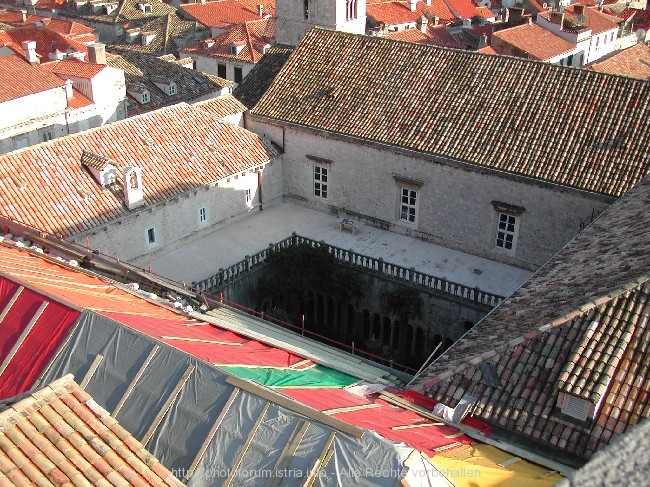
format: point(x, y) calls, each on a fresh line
point(147, 37)
point(235, 49)
point(166, 86)
point(146, 97)
point(208, 43)
point(144, 7)
point(139, 91)
point(110, 8)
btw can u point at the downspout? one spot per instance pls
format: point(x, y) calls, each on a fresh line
point(259, 188)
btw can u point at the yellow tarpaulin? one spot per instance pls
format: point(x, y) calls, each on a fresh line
point(487, 466)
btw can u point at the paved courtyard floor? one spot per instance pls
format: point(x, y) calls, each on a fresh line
point(202, 257)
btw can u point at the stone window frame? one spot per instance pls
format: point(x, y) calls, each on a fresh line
point(410, 188)
point(249, 196)
point(203, 214)
point(318, 165)
point(151, 236)
point(506, 216)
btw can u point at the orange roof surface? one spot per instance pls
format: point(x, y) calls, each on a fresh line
point(252, 35)
point(394, 13)
point(78, 100)
point(178, 148)
point(223, 13)
point(15, 18)
point(25, 79)
point(633, 62)
point(640, 18)
point(47, 41)
point(60, 436)
point(72, 30)
point(537, 42)
point(466, 9)
point(74, 67)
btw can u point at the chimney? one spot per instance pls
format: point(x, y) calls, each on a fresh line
point(427, 3)
point(97, 53)
point(467, 23)
point(260, 10)
point(515, 15)
point(422, 24)
point(23, 14)
point(30, 51)
point(579, 9)
point(68, 89)
point(557, 18)
point(482, 41)
point(436, 20)
point(413, 5)
point(132, 182)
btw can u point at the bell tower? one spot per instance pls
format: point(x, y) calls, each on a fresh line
point(295, 17)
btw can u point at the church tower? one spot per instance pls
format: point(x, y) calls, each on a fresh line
point(295, 17)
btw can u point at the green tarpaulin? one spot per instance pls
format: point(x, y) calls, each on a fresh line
point(317, 376)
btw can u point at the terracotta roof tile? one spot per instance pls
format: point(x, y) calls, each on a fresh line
point(28, 454)
point(143, 68)
point(532, 40)
point(178, 148)
point(332, 83)
point(223, 13)
point(466, 9)
point(26, 79)
point(633, 62)
point(397, 13)
point(47, 41)
point(640, 19)
point(599, 354)
point(74, 67)
point(253, 36)
point(255, 84)
point(222, 106)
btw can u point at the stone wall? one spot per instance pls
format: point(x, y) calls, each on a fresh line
point(177, 219)
point(457, 204)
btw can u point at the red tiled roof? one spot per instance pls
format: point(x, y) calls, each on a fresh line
point(640, 18)
point(221, 106)
point(331, 83)
point(487, 50)
point(74, 67)
point(598, 22)
point(72, 30)
point(633, 62)
point(533, 40)
point(466, 9)
point(223, 13)
point(78, 100)
point(252, 35)
point(578, 326)
point(46, 41)
point(60, 436)
point(394, 13)
point(25, 79)
point(178, 148)
point(15, 18)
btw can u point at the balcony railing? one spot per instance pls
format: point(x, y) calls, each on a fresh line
point(227, 276)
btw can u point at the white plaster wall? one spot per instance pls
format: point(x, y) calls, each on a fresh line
point(601, 45)
point(207, 64)
point(178, 218)
point(455, 202)
point(27, 108)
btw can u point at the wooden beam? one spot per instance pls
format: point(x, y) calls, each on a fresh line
point(11, 302)
point(410, 426)
point(295, 406)
point(22, 336)
point(234, 470)
point(320, 461)
point(185, 339)
point(288, 452)
point(168, 404)
point(91, 371)
point(351, 409)
point(211, 433)
point(135, 380)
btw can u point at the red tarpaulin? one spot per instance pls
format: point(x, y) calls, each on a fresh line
point(38, 347)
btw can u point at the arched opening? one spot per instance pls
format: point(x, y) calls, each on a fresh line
point(320, 310)
point(330, 312)
point(350, 320)
point(418, 346)
point(376, 327)
point(365, 320)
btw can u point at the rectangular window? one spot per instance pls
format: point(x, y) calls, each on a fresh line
point(202, 215)
point(320, 182)
point(407, 207)
point(238, 75)
point(46, 135)
point(221, 71)
point(151, 235)
point(506, 232)
point(249, 196)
